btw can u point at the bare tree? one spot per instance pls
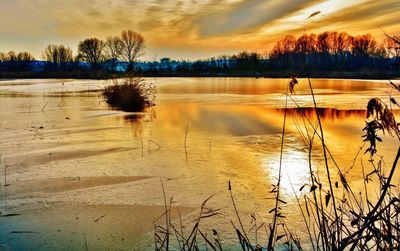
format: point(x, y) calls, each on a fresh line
point(323, 42)
point(50, 54)
point(306, 44)
point(113, 50)
point(91, 51)
point(284, 46)
point(343, 42)
point(364, 45)
point(25, 57)
point(3, 57)
point(288, 43)
point(392, 47)
point(133, 47)
point(57, 54)
point(64, 54)
point(17, 61)
point(12, 56)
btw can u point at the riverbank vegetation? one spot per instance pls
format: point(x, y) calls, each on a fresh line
point(328, 54)
point(130, 95)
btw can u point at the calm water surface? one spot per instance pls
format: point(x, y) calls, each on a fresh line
point(57, 129)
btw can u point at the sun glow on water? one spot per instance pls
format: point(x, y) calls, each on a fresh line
point(295, 170)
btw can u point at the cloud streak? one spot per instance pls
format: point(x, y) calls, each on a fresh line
point(246, 16)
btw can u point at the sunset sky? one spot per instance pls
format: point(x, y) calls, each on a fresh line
point(187, 29)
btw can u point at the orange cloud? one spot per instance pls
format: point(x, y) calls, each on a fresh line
point(189, 28)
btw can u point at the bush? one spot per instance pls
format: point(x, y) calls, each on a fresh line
point(133, 95)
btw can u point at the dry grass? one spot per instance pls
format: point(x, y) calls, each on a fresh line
point(132, 95)
point(335, 216)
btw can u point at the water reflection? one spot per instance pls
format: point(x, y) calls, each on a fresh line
point(295, 170)
point(234, 129)
point(324, 113)
point(134, 118)
point(147, 115)
point(241, 120)
point(260, 86)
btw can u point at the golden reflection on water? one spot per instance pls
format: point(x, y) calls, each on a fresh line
point(295, 171)
point(259, 86)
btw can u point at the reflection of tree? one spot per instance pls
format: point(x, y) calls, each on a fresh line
point(136, 124)
point(136, 120)
point(133, 118)
point(324, 113)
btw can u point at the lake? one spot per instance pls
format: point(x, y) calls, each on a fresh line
point(80, 174)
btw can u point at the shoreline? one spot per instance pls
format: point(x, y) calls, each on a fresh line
point(372, 75)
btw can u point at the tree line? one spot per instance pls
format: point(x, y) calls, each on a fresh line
point(99, 54)
point(13, 61)
point(327, 51)
point(316, 53)
point(333, 51)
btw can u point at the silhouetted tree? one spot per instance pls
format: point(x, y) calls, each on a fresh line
point(364, 45)
point(339, 42)
point(341, 47)
point(324, 43)
point(12, 56)
point(133, 47)
point(282, 52)
point(58, 56)
point(247, 60)
point(3, 57)
point(329, 51)
point(91, 51)
point(306, 44)
point(64, 54)
point(25, 57)
point(13, 61)
point(50, 54)
point(113, 50)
